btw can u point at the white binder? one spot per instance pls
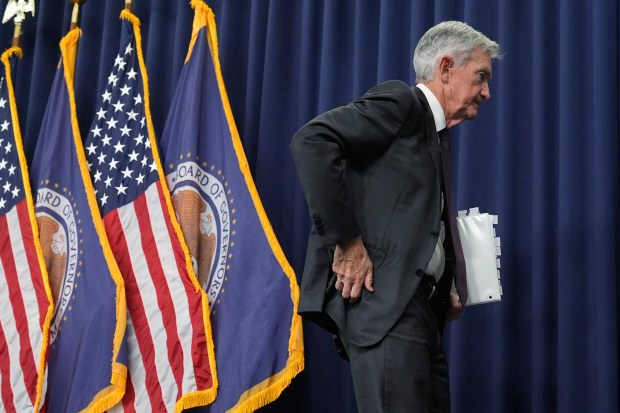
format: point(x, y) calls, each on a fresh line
point(481, 249)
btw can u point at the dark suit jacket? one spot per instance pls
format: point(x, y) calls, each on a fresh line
point(370, 168)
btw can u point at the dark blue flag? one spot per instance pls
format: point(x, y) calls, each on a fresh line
point(87, 369)
point(251, 287)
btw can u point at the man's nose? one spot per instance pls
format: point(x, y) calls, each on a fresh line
point(485, 92)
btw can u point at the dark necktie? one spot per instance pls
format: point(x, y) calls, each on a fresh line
point(446, 165)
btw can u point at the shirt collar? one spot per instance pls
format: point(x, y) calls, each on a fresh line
point(438, 114)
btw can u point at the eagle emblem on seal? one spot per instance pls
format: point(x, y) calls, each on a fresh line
point(54, 246)
point(199, 229)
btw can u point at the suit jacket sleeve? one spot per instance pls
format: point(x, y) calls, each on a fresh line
point(323, 146)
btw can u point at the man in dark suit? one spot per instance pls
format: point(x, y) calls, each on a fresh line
point(382, 257)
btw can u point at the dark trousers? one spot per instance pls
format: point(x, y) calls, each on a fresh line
point(406, 372)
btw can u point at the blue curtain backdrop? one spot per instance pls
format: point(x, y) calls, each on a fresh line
point(543, 155)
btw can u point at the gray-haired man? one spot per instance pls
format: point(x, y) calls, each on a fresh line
point(382, 255)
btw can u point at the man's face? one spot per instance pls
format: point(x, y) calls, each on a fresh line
point(466, 87)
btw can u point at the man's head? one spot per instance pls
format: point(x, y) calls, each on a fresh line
point(454, 61)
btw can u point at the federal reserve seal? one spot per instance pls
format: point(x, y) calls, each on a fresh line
point(59, 235)
point(201, 204)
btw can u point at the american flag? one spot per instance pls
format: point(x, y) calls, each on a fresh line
point(25, 301)
point(170, 347)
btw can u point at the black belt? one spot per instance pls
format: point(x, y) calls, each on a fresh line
point(428, 286)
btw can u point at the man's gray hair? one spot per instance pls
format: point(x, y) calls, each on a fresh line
point(452, 38)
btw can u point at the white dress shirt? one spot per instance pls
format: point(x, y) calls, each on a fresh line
point(437, 262)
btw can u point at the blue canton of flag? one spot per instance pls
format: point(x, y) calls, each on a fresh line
point(11, 187)
point(169, 342)
point(118, 146)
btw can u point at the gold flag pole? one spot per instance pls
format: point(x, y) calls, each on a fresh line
point(76, 12)
point(128, 5)
point(16, 10)
point(16, 34)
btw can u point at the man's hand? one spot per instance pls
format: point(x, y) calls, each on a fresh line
point(456, 308)
point(353, 269)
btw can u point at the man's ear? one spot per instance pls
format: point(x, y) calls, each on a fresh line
point(446, 63)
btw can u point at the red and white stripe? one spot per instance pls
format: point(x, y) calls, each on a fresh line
point(23, 307)
point(166, 335)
